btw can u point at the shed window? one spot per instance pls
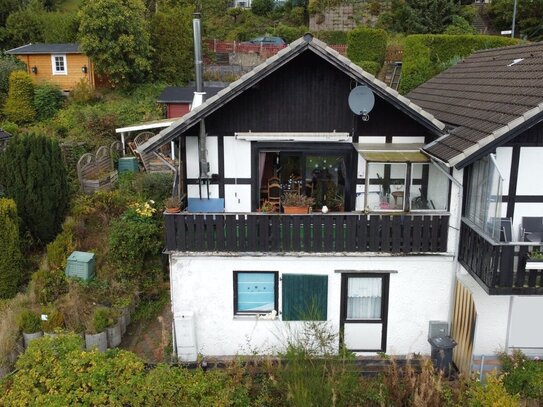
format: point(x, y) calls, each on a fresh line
point(59, 64)
point(255, 292)
point(305, 297)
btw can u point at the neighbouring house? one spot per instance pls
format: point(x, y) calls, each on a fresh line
point(178, 99)
point(379, 266)
point(62, 64)
point(492, 103)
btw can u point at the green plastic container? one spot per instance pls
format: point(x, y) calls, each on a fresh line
point(128, 164)
point(81, 265)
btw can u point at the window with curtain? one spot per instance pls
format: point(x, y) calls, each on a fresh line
point(304, 297)
point(255, 292)
point(364, 298)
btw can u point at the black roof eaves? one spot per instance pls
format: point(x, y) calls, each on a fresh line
point(170, 133)
point(511, 134)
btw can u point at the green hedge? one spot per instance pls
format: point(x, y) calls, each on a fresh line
point(367, 44)
point(427, 55)
point(332, 37)
point(370, 66)
point(10, 251)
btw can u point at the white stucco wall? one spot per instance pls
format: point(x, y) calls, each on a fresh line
point(525, 328)
point(419, 292)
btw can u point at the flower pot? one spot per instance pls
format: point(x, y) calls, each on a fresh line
point(173, 210)
point(98, 341)
point(296, 210)
point(30, 337)
point(114, 335)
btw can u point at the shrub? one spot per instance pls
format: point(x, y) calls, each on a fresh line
point(54, 322)
point(59, 249)
point(522, 375)
point(9, 329)
point(54, 371)
point(8, 64)
point(332, 37)
point(19, 107)
point(10, 249)
point(82, 92)
point(33, 174)
point(289, 33)
point(370, 67)
point(133, 239)
point(48, 285)
point(156, 187)
point(102, 318)
point(48, 100)
point(367, 44)
point(491, 394)
point(424, 55)
point(29, 322)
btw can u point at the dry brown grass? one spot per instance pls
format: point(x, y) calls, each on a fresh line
point(76, 307)
point(9, 330)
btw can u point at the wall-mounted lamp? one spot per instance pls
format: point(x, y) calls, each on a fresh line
point(84, 69)
point(34, 70)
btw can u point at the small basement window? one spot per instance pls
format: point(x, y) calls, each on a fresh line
point(255, 292)
point(59, 65)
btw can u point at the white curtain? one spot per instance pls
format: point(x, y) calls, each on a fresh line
point(364, 297)
point(261, 164)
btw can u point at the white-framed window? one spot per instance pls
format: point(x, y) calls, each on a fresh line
point(59, 65)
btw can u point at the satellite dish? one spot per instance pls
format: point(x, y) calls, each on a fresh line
point(361, 101)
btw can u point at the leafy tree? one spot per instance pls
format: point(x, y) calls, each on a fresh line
point(59, 27)
point(171, 38)
point(419, 16)
point(529, 20)
point(9, 6)
point(459, 26)
point(24, 26)
point(114, 33)
point(262, 7)
point(10, 250)
point(33, 174)
point(19, 107)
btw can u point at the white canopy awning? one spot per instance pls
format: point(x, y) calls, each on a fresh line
point(392, 152)
point(333, 136)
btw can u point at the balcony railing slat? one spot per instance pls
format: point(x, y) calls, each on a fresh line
point(316, 233)
point(499, 267)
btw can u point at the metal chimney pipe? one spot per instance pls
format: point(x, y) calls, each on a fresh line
point(198, 51)
point(199, 96)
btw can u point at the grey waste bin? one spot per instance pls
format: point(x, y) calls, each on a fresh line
point(442, 349)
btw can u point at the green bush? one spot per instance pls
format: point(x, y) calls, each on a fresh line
point(29, 322)
point(48, 100)
point(19, 107)
point(424, 55)
point(332, 37)
point(8, 64)
point(82, 92)
point(156, 186)
point(370, 67)
point(10, 249)
point(289, 33)
point(102, 318)
point(54, 322)
point(460, 26)
point(493, 393)
point(48, 285)
point(134, 238)
point(367, 44)
point(522, 375)
point(33, 174)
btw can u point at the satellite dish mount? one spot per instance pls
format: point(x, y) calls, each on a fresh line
point(361, 101)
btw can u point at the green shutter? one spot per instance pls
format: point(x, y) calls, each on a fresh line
point(305, 297)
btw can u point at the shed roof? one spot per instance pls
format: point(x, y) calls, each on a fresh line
point(306, 43)
point(486, 99)
point(69, 48)
point(184, 94)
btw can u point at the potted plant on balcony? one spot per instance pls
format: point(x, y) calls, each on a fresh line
point(173, 204)
point(295, 203)
point(534, 261)
point(268, 207)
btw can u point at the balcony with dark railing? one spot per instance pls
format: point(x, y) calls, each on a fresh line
point(313, 233)
point(499, 267)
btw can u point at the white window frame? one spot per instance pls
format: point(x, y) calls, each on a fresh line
point(54, 65)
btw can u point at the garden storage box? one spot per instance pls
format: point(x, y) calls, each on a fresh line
point(128, 164)
point(81, 265)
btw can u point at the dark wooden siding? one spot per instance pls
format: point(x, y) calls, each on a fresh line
point(307, 94)
point(529, 138)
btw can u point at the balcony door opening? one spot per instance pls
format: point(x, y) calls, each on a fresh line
point(318, 174)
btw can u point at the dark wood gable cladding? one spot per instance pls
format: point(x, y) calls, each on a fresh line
point(307, 94)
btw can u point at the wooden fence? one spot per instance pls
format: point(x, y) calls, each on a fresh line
point(337, 232)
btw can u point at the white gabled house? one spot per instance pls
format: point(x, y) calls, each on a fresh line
point(379, 266)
